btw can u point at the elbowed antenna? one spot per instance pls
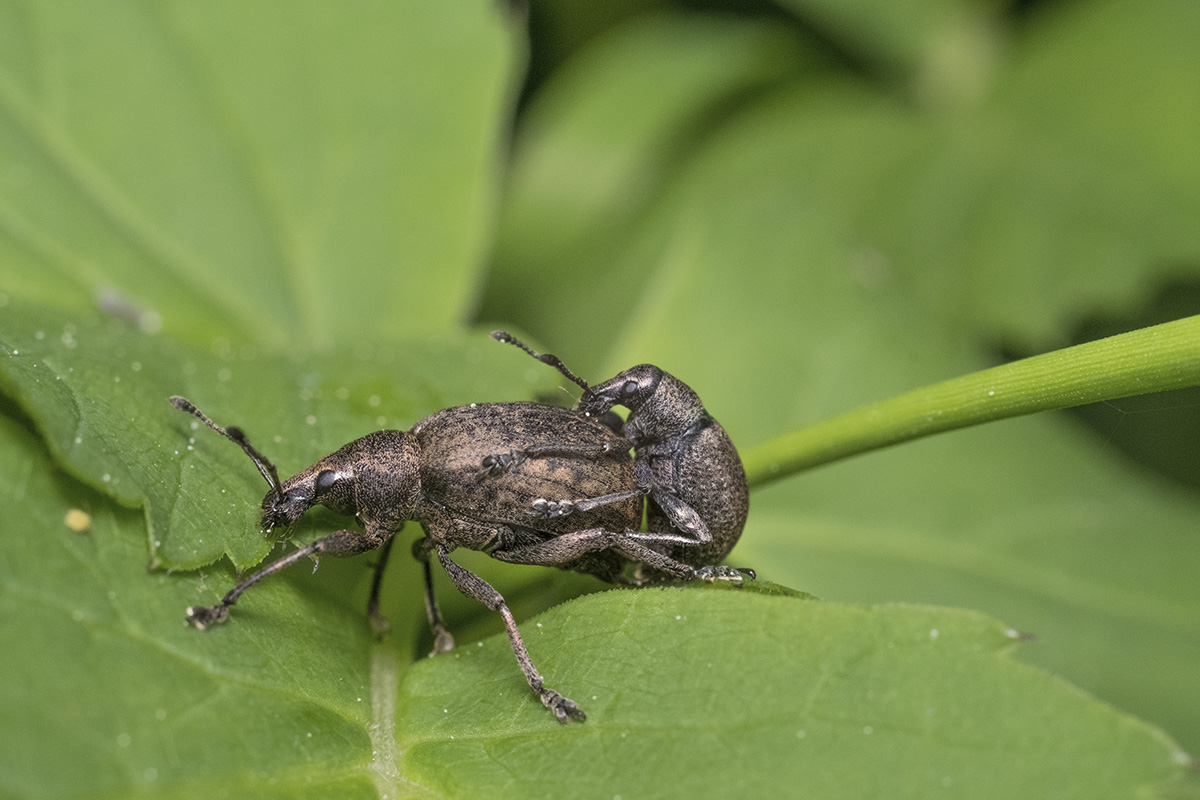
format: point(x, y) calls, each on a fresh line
point(545, 358)
point(235, 435)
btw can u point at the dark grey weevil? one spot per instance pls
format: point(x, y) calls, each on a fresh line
point(432, 474)
point(685, 465)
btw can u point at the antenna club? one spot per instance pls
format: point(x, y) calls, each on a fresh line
point(547, 358)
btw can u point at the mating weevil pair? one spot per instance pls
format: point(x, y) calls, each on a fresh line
point(528, 484)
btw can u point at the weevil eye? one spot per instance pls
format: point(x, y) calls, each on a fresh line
point(326, 480)
point(629, 388)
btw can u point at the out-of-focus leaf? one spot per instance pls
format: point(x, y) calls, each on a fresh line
point(945, 48)
point(596, 148)
point(286, 173)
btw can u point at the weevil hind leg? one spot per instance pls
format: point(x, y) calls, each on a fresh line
point(477, 588)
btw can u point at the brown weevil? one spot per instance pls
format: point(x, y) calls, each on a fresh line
point(432, 474)
point(685, 465)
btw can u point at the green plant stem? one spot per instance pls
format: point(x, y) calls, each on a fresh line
point(1148, 360)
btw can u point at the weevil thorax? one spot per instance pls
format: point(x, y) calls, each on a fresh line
point(374, 478)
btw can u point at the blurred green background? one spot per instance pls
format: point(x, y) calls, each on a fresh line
point(311, 213)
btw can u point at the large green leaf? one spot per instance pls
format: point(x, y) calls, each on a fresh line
point(282, 172)
point(97, 389)
point(689, 691)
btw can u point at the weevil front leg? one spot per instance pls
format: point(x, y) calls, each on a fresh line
point(339, 543)
point(477, 588)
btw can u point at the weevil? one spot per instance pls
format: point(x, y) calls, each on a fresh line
point(685, 465)
point(432, 474)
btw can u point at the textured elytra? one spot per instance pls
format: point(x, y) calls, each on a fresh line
point(455, 441)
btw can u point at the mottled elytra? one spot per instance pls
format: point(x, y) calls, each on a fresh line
point(685, 465)
point(442, 474)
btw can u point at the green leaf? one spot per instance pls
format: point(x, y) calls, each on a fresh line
point(106, 691)
point(947, 45)
point(291, 699)
point(283, 173)
point(597, 146)
point(97, 390)
point(774, 697)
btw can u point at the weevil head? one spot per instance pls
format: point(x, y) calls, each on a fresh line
point(327, 485)
point(375, 478)
point(633, 388)
point(661, 406)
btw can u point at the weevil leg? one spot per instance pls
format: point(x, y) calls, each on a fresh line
point(682, 516)
point(379, 622)
point(499, 463)
point(338, 543)
point(573, 545)
point(443, 641)
point(549, 509)
point(477, 588)
point(560, 549)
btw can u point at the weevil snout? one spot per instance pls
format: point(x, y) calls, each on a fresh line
point(280, 510)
